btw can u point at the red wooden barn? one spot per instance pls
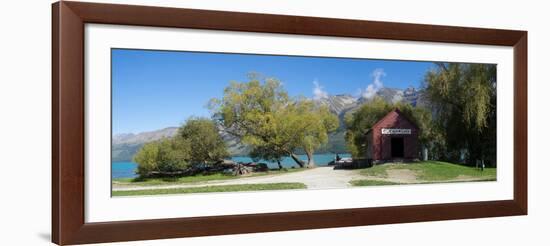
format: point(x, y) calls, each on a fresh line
point(393, 138)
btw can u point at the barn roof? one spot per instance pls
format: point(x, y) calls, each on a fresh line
point(387, 115)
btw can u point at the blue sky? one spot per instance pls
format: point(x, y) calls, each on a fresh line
point(157, 89)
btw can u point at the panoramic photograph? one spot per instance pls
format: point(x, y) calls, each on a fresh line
point(196, 122)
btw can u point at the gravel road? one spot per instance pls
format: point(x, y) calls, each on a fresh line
point(315, 178)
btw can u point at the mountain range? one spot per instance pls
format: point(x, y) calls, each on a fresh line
point(124, 146)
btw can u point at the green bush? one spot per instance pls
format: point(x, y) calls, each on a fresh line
point(198, 143)
point(168, 155)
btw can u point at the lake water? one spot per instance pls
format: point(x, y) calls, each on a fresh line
point(123, 169)
point(126, 169)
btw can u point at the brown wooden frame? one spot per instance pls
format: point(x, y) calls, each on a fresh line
point(68, 224)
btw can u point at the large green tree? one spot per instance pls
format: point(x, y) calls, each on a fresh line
point(253, 111)
point(206, 144)
point(313, 127)
point(463, 98)
point(262, 115)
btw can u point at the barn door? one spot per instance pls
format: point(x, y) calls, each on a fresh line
point(397, 147)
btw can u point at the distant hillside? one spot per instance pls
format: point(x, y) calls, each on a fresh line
point(338, 104)
point(126, 145)
point(144, 137)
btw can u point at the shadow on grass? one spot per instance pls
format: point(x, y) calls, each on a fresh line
point(140, 179)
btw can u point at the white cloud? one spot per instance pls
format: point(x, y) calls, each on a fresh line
point(318, 91)
point(376, 84)
point(398, 97)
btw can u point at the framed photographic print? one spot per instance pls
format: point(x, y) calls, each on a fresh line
point(174, 122)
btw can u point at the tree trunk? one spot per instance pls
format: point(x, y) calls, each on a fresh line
point(279, 163)
point(297, 160)
point(310, 161)
point(424, 153)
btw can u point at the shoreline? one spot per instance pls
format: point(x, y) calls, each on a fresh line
point(126, 169)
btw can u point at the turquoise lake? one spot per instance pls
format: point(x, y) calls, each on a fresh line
point(127, 169)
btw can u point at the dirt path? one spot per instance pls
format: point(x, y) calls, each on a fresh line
point(406, 176)
point(315, 178)
point(402, 176)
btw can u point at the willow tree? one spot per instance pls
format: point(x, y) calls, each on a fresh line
point(262, 115)
point(252, 112)
point(312, 129)
point(463, 97)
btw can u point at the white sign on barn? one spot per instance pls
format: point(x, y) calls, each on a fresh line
point(395, 131)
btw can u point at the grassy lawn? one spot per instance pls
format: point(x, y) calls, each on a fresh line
point(441, 171)
point(378, 171)
point(219, 188)
point(427, 172)
point(197, 178)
